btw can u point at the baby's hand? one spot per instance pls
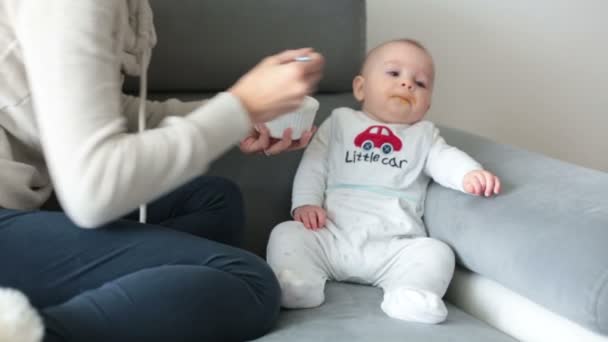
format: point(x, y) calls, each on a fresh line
point(481, 182)
point(312, 216)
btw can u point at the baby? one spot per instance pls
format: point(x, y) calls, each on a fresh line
point(358, 195)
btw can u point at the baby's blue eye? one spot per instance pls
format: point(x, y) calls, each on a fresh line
point(393, 73)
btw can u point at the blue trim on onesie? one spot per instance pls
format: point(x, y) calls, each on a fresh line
point(375, 189)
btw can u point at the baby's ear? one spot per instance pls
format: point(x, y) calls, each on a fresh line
point(358, 88)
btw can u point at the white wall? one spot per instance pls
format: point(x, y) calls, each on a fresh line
point(530, 73)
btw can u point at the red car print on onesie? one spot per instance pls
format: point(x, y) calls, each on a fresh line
point(378, 136)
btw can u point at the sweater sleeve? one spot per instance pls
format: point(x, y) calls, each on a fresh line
point(156, 111)
point(448, 165)
point(311, 177)
point(99, 170)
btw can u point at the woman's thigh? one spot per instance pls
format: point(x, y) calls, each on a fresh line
point(143, 273)
point(45, 255)
point(75, 276)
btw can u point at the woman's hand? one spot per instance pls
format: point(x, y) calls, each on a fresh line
point(260, 141)
point(278, 84)
point(312, 216)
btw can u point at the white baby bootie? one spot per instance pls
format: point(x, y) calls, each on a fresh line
point(414, 305)
point(299, 292)
point(19, 321)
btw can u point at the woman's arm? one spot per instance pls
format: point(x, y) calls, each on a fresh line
point(100, 171)
point(156, 111)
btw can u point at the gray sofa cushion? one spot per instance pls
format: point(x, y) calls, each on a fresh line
point(352, 313)
point(205, 45)
point(544, 237)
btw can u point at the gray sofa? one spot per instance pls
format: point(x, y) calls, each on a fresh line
point(532, 262)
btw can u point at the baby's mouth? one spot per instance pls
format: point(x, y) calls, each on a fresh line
point(404, 100)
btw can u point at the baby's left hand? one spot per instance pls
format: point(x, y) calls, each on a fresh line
point(481, 182)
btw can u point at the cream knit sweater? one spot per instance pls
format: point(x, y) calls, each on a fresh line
point(64, 123)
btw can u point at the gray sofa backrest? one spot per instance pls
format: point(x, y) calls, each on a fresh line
point(205, 45)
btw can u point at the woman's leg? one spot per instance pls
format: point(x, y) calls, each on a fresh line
point(209, 207)
point(131, 282)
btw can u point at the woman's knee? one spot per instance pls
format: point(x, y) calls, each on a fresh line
point(242, 283)
point(226, 193)
point(218, 204)
point(265, 286)
point(232, 203)
point(258, 274)
point(201, 300)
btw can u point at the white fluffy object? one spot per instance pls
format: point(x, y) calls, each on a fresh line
point(19, 321)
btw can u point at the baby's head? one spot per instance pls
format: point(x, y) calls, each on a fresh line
point(395, 83)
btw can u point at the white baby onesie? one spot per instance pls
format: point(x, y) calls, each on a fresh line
point(371, 178)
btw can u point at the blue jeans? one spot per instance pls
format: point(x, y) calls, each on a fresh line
point(175, 278)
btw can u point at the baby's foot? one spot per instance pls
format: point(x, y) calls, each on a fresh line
point(298, 292)
point(414, 305)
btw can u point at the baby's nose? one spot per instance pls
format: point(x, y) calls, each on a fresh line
point(409, 86)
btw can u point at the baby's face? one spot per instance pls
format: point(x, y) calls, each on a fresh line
point(396, 83)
